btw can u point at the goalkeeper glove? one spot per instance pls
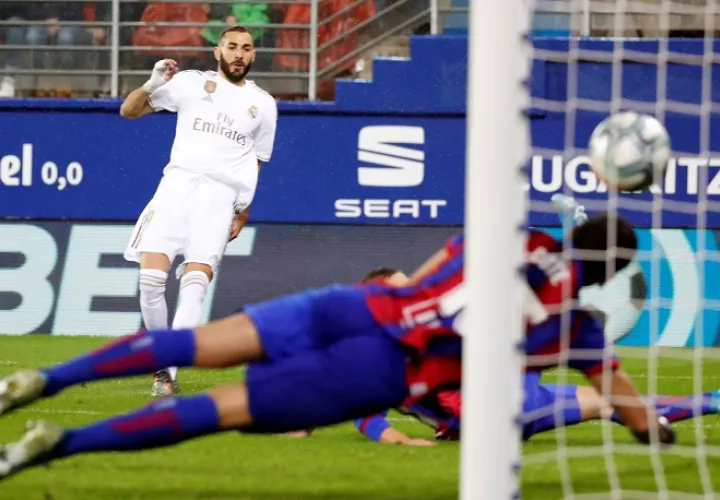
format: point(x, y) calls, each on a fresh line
point(566, 205)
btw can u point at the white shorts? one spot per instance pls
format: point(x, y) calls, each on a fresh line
point(190, 214)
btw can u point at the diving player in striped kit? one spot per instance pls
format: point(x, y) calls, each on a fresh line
point(328, 355)
point(579, 403)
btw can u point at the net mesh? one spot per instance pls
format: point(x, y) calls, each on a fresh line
point(655, 57)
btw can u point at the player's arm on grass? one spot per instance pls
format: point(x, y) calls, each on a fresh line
point(377, 428)
point(631, 407)
point(153, 95)
point(626, 400)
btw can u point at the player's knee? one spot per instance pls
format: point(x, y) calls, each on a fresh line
point(152, 286)
point(192, 267)
point(194, 286)
point(154, 261)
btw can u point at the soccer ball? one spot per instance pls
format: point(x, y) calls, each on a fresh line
point(630, 151)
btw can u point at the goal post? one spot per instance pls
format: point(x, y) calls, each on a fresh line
point(662, 314)
point(495, 208)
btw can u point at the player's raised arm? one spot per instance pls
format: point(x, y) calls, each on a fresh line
point(138, 103)
point(440, 256)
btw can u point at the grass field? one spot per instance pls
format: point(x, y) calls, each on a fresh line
point(336, 463)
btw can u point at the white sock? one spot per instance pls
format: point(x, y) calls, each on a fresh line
point(152, 298)
point(193, 288)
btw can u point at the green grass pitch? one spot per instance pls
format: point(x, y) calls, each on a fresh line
point(336, 463)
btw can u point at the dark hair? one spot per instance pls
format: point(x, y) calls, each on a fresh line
point(233, 29)
point(593, 235)
point(380, 272)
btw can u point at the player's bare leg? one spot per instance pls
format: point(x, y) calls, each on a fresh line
point(162, 423)
point(193, 289)
point(154, 269)
point(228, 342)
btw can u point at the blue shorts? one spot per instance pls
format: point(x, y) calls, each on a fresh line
point(351, 378)
point(542, 396)
point(310, 320)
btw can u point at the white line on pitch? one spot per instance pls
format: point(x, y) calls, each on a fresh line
point(64, 412)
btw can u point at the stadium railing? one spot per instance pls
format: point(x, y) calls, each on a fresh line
point(587, 18)
point(106, 47)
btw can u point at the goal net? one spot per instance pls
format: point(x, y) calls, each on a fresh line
point(662, 314)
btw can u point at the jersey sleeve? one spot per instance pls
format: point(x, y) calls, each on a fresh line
point(373, 426)
point(551, 283)
point(168, 96)
point(588, 346)
point(265, 135)
point(455, 242)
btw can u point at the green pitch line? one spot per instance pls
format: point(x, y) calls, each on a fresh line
point(336, 463)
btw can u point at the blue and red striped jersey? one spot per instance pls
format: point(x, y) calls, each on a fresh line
point(551, 310)
point(422, 317)
point(440, 410)
point(416, 314)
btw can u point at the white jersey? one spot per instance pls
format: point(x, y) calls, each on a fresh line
point(222, 129)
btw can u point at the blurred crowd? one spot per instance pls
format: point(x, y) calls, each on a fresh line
point(48, 41)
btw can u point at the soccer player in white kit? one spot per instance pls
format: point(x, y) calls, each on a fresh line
point(225, 131)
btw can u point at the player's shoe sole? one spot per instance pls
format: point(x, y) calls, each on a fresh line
point(20, 389)
point(35, 448)
point(163, 386)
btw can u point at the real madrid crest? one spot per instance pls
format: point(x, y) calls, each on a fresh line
point(210, 86)
point(253, 112)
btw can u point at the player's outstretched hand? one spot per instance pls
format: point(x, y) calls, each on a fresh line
point(419, 442)
point(162, 72)
point(394, 436)
point(298, 434)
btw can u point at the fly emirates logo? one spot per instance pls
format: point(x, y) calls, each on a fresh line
point(221, 126)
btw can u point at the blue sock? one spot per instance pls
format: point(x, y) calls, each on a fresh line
point(142, 353)
point(570, 414)
point(162, 423)
point(678, 408)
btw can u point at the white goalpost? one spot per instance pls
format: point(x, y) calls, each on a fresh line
point(497, 148)
point(681, 308)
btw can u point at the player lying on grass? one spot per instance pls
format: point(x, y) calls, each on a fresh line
point(330, 355)
point(580, 404)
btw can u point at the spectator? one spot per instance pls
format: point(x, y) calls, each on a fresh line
point(167, 38)
point(345, 14)
point(246, 14)
point(14, 35)
point(237, 13)
point(54, 13)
